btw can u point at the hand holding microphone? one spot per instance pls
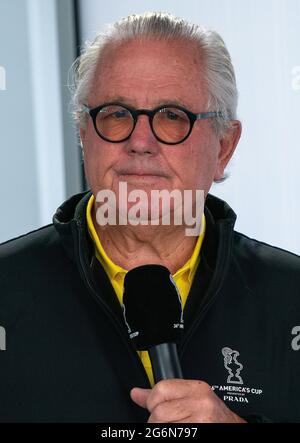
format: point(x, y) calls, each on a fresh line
point(153, 314)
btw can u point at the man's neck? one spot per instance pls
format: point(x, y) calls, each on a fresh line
point(131, 246)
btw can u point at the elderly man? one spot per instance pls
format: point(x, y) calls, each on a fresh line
point(155, 100)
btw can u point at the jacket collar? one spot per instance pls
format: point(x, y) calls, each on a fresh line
point(71, 216)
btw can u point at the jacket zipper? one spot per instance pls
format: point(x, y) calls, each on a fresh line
point(108, 312)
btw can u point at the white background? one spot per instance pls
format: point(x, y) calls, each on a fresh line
point(39, 157)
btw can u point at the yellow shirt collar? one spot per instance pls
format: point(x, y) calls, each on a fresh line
point(109, 266)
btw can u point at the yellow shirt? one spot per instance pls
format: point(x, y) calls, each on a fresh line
point(183, 277)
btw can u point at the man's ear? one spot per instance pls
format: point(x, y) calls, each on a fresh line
point(82, 135)
point(82, 132)
point(228, 143)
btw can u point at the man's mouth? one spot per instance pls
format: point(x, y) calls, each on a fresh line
point(140, 172)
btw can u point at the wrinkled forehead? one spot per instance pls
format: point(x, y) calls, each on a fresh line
point(150, 67)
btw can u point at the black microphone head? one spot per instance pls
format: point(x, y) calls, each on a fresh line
point(152, 306)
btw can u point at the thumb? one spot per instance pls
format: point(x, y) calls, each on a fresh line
point(140, 396)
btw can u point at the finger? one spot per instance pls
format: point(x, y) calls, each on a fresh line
point(140, 396)
point(175, 411)
point(169, 390)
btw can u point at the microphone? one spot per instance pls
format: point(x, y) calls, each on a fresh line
point(153, 314)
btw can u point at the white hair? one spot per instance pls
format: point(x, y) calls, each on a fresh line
point(217, 72)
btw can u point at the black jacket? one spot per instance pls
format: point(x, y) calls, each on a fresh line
point(68, 357)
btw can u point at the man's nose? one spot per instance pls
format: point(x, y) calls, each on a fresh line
point(142, 140)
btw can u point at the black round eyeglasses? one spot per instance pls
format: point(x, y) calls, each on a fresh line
point(171, 125)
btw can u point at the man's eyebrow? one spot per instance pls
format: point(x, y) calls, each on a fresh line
point(118, 99)
point(172, 102)
point(132, 103)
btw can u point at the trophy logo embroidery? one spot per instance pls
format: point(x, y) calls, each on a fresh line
point(233, 366)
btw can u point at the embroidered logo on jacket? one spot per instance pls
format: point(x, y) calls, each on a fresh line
point(233, 390)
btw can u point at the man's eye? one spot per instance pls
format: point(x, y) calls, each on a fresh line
point(120, 114)
point(172, 116)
